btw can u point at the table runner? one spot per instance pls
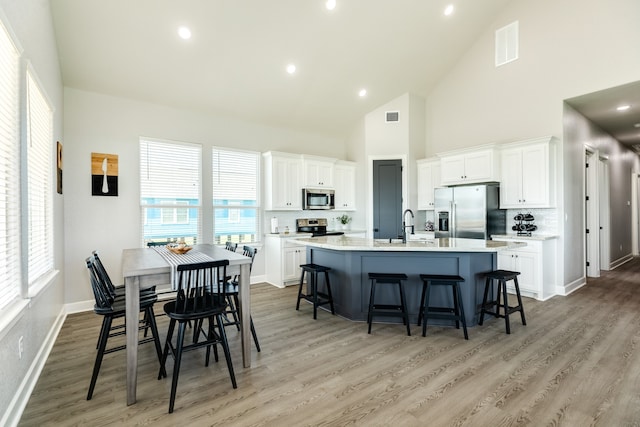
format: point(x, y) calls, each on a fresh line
point(174, 260)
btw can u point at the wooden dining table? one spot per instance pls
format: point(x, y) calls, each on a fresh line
point(144, 267)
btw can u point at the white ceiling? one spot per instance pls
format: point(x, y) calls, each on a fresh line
point(234, 64)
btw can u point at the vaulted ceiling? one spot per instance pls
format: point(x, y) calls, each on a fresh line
point(235, 62)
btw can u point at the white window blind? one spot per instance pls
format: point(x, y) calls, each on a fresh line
point(170, 175)
point(9, 170)
point(40, 157)
point(235, 195)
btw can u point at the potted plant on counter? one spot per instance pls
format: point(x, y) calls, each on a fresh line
point(344, 221)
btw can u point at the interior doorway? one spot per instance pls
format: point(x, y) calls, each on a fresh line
point(596, 209)
point(387, 198)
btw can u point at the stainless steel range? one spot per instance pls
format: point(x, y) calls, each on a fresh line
point(317, 226)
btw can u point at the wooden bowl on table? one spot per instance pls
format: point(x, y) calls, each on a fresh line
point(179, 249)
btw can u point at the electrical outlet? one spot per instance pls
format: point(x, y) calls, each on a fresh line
point(20, 347)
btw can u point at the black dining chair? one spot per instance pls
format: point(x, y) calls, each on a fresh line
point(201, 296)
point(111, 308)
point(118, 293)
point(233, 300)
point(230, 246)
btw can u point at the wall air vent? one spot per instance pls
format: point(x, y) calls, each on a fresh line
point(507, 44)
point(392, 116)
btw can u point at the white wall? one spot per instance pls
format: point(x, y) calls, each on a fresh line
point(32, 25)
point(567, 48)
point(106, 124)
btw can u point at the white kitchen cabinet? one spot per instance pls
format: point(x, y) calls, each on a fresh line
point(344, 174)
point(468, 167)
point(536, 264)
point(283, 258)
point(318, 171)
point(528, 174)
point(283, 181)
point(428, 174)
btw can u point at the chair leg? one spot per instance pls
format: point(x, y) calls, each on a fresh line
point(456, 300)
point(502, 284)
point(517, 286)
point(421, 309)
point(483, 309)
point(253, 333)
point(165, 353)
point(425, 317)
point(403, 303)
point(300, 290)
point(176, 365)
point(227, 353)
point(461, 310)
point(314, 292)
point(151, 318)
point(104, 336)
point(233, 308)
point(371, 300)
point(326, 278)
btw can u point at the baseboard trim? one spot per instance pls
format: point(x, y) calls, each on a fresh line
point(21, 398)
point(617, 263)
point(571, 287)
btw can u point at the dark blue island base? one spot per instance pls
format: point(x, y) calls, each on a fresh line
point(351, 287)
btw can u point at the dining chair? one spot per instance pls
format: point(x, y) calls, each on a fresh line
point(198, 299)
point(110, 308)
point(118, 294)
point(230, 246)
point(233, 300)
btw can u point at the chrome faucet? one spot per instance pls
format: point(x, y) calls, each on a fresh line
point(405, 226)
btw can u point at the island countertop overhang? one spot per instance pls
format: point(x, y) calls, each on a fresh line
point(344, 243)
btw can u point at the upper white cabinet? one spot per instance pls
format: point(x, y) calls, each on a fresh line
point(283, 181)
point(318, 171)
point(468, 167)
point(428, 174)
point(528, 174)
point(344, 174)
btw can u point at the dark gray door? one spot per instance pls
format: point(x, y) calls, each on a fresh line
point(387, 199)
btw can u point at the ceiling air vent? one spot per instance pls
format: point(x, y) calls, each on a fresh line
point(507, 44)
point(392, 116)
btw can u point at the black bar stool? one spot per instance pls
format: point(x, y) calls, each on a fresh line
point(388, 309)
point(502, 276)
point(427, 311)
point(316, 297)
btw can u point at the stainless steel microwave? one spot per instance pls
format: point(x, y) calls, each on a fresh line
point(316, 199)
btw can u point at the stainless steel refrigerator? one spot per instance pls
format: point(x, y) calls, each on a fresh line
point(469, 212)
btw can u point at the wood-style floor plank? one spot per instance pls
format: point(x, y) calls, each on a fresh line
point(575, 363)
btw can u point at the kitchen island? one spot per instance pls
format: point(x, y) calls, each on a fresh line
point(351, 259)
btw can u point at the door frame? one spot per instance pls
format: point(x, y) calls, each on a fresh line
point(591, 223)
point(370, 159)
point(635, 227)
point(604, 221)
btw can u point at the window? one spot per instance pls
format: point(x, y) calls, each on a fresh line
point(236, 206)
point(39, 119)
point(170, 175)
point(10, 276)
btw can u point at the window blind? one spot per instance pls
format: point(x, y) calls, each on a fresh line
point(235, 195)
point(170, 181)
point(39, 171)
point(10, 276)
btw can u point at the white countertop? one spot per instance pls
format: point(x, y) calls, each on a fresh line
point(524, 238)
point(344, 243)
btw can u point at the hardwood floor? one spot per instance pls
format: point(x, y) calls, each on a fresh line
point(576, 363)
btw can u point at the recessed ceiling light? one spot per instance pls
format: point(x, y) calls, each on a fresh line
point(637, 125)
point(330, 4)
point(291, 68)
point(362, 93)
point(448, 10)
point(623, 107)
point(184, 33)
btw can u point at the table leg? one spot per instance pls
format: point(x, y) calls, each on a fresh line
point(132, 292)
point(245, 314)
